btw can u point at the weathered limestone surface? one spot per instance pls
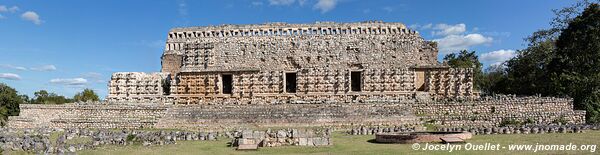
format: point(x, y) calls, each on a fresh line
point(75, 115)
point(390, 58)
point(137, 87)
point(211, 117)
point(487, 112)
point(278, 74)
point(283, 137)
point(285, 115)
point(492, 111)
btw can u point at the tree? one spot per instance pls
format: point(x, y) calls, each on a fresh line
point(526, 74)
point(493, 79)
point(43, 97)
point(561, 61)
point(465, 59)
point(575, 68)
point(9, 102)
point(86, 95)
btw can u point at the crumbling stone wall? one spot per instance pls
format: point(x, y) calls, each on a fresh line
point(211, 117)
point(281, 46)
point(171, 63)
point(137, 87)
point(492, 111)
point(283, 137)
point(269, 87)
point(449, 82)
point(219, 116)
point(87, 116)
point(322, 55)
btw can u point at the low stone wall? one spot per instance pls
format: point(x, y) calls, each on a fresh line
point(526, 129)
point(485, 112)
point(75, 115)
point(209, 117)
point(285, 115)
point(493, 111)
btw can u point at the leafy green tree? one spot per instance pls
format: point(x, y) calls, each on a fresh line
point(43, 97)
point(493, 79)
point(575, 69)
point(86, 95)
point(9, 102)
point(526, 74)
point(466, 59)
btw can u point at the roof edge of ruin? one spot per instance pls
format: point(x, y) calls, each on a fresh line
point(285, 24)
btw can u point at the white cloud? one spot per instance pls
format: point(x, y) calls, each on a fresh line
point(454, 43)
point(3, 8)
point(301, 2)
point(32, 16)
point(453, 38)
point(445, 29)
point(366, 11)
point(70, 82)
point(422, 27)
point(10, 76)
point(92, 75)
point(427, 26)
point(282, 2)
point(152, 44)
point(388, 9)
point(182, 8)
point(13, 9)
point(325, 5)
point(44, 68)
point(13, 67)
point(497, 57)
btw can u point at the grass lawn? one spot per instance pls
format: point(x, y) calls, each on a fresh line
point(345, 144)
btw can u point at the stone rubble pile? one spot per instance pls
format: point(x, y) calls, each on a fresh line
point(532, 129)
point(364, 130)
point(284, 137)
point(72, 140)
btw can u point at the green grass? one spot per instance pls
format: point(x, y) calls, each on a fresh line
point(346, 144)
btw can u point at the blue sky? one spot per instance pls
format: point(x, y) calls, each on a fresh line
point(66, 45)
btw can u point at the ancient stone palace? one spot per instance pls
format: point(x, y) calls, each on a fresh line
point(339, 75)
point(293, 63)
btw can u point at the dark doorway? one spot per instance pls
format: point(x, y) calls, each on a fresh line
point(355, 81)
point(227, 83)
point(290, 82)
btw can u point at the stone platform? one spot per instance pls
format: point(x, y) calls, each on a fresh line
point(210, 117)
point(486, 112)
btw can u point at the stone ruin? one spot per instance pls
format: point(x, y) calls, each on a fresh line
point(278, 62)
point(71, 140)
point(340, 75)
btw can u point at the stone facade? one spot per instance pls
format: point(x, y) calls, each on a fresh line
point(493, 111)
point(138, 87)
point(278, 62)
point(485, 112)
point(297, 75)
point(209, 117)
